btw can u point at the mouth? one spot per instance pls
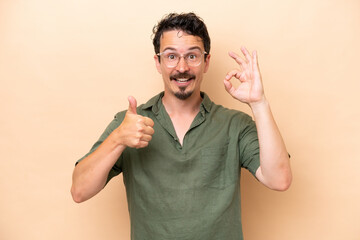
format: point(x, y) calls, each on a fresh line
point(183, 78)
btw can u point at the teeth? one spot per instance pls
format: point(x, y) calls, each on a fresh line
point(181, 80)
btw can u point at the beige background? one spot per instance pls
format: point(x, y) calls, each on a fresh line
point(66, 67)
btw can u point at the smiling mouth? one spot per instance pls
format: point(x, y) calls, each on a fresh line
point(182, 78)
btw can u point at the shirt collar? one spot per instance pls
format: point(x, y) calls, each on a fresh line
point(206, 102)
point(155, 103)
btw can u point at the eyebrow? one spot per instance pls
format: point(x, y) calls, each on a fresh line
point(174, 49)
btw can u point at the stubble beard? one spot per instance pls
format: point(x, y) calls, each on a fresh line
point(182, 94)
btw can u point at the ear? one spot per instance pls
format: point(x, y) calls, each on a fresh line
point(207, 63)
point(157, 63)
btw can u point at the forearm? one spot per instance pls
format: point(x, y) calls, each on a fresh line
point(90, 174)
point(274, 170)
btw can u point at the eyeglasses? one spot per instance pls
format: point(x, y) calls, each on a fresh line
point(171, 58)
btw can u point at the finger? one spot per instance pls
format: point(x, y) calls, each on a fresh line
point(146, 138)
point(246, 54)
point(229, 87)
point(148, 121)
point(233, 73)
point(243, 77)
point(142, 144)
point(132, 105)
point(237, 58)
point(255, 60)
point(148, 130)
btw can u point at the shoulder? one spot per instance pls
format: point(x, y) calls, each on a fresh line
point(120, 116)
point(117, 120)
point(222, 113)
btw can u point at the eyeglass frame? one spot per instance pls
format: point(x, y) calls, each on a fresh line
point(204, 53)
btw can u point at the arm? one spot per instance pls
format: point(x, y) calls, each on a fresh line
point(274, 171)
point(90, 175)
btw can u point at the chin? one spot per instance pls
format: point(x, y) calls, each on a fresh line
point(182, 95)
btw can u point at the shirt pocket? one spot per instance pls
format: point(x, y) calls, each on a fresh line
point(213, 161)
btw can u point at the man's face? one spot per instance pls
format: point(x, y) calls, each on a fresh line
point(181, 81)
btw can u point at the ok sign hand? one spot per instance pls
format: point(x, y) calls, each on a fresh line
point(251, 89)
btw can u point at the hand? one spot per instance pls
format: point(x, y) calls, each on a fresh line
point(135, 131)
point(250, 90)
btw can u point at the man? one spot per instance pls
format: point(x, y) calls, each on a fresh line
point(181, 154)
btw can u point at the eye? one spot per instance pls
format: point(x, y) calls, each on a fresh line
point(192, 57)
point(171, 56)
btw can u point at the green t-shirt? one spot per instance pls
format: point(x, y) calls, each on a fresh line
point(189, 191)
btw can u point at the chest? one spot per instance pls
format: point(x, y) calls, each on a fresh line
point(201, 161)
point(181, 125)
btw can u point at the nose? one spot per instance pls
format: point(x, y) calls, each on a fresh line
point(182, 65)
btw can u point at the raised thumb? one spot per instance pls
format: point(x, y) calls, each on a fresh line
point(132, 105)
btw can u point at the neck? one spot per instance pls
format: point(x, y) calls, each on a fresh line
point(174, 105)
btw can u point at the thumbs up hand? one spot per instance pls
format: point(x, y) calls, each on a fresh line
point(132, 105)
point(135, 131)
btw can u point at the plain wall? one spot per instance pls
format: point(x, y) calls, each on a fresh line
point(66, 67)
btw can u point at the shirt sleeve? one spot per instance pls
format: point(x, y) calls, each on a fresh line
point(117, 168)
point(249, 145)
